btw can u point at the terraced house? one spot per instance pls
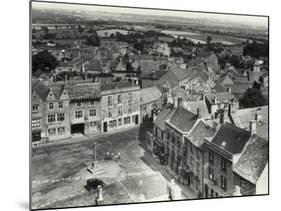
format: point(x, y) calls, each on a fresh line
point(120, 106)
point(62, 109)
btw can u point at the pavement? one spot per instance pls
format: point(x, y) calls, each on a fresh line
point(59, 172)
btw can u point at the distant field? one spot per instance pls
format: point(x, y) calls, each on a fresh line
point(202, 37)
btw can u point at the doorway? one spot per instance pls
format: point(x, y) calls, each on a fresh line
point(137, 119)
point(78, 128)
point(105, 127)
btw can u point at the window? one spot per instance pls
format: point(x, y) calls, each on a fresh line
point(211, 173)
point(35, 122)
point(93, 124)
point(51, 118)
point(52, 131)
point(242, 183)
point(113, 123)
point(198, 154)
point(119, 99)
point(223, 182)
point(198, 167)
point(51, 106)
point(92, 102)
point(119, 121)
point(120, 110)
point(130, 109)
point(223, 164)
point(78, 114)
point(60, 117)
point(127, 120)
point(162, 135)
point(61, 130)
point(109, 100)
point(60, 104)
point(211, 157)
point(110, 112)
point(191, 148)
point(191, 161)
point(78, 104)
point(130, 97)
point(35, 108)
point(92, 112)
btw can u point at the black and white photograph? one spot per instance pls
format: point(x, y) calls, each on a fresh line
point(134, 105)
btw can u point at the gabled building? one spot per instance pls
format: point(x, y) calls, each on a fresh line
point(120, 104)
point(178, 127)
point(251, 170)
point(257, 117)
point(221, 153)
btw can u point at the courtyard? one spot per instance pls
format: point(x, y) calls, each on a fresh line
point(59, 173)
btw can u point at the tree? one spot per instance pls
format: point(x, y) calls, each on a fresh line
point(252, 98)
point(43, 61)
point(209, 40)
point(93, 40)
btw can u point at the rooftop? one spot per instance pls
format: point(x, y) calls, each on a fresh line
point(231, 138)
point(220, 97)
point(199, 132)
point(253, 159)
point(150, 94)
point(164, 115)
point(183, 119)
point(242, 117)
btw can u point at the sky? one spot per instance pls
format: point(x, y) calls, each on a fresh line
point(251, 20)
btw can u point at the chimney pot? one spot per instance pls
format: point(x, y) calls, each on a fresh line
point(253, 127)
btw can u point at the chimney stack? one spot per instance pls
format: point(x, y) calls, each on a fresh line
point(199, 112)
point(179, 102)
point(175, 102)
point(253, 127)
point(223, 115)
point(153, 74)
point(258, 115)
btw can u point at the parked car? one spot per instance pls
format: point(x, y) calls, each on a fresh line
point(93, 183)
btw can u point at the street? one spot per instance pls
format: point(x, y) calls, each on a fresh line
point(59, 173)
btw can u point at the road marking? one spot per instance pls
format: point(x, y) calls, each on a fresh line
point(126, 190)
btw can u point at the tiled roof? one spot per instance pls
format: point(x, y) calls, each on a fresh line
point(164, 115)
point(148, 74)
point(231, 138)
point(253, 159)
point(199, 132)
point(183, 119)
point(116, 85)
point(242, 117)
point(75, 91)
point(150, 94)
point(221, 97)
point(193, 107)
point(83, 91)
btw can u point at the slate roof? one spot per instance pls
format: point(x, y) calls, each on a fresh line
point(183, 119)
point(199, 132)
point(221, 97)
point(231, 138)
point(164, 115)
point(242, 117)
point(150, 94)
point(253, 159)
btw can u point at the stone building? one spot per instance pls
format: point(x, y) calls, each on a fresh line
point(221, 153)
point(120, 106)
